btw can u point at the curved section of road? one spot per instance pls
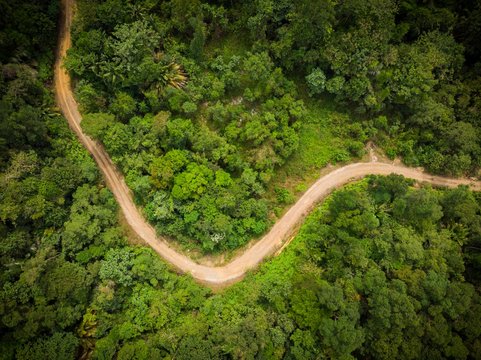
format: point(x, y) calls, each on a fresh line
point(270, 243)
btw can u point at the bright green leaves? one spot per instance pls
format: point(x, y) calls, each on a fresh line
point(162, 169)
point(390, 290)
point(180, 131)
point(184, 148)
point(92, 213)
point(117, 266)
point(193, 182)
point(97, 124)
point(51, 293)
point(123, 106)
point(222, 179)
point(124, 59)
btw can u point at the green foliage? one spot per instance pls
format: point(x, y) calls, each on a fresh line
point(192, 183)
point(239, 109)
point(130, 46)
point(354, 281)
point(123, 106)
point(59, 346)
point(28, 30)
point(380, 270)
point(377, 270)
point(198, 41)
point(51, 208)
point(97, 124)
point(188, 163)
point(284, 196)
point(117, 266)
point(316, 81)
point(89, 99)
point(381, 57)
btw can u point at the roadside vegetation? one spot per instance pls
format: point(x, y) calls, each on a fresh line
point(220, 114)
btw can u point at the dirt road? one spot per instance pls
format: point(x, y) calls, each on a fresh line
point(269, 244)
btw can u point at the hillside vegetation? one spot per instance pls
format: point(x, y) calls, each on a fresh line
point(203, 104)
point(219, 113)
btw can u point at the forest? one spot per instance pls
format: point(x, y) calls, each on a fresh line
point(200, 93)
point(220, 114)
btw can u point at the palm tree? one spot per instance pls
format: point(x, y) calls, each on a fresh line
point(174, 76)
point(170, 74)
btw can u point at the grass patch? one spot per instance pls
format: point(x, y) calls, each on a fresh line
point(228, 45)
point(321, 142)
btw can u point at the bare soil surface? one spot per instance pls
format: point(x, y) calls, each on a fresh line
point(272, 243)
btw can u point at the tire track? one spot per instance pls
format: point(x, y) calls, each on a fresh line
point(273, 241)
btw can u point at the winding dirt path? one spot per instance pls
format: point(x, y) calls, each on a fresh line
point(270, 243)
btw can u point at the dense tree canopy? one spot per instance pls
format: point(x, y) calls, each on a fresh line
point(361, 279)
point(398, 66)
point(198, 158)
point(202, 104)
